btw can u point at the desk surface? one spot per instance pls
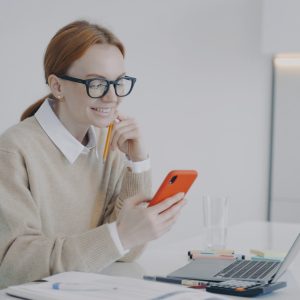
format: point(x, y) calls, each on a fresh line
point(161, 258)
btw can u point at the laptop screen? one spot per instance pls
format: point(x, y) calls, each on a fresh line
point(288, 259)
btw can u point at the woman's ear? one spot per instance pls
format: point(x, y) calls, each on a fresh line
point(55, 86)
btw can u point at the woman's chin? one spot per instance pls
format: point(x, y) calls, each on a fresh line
point(100, 119)
point(102, 123)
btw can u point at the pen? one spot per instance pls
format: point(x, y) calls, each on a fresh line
point(213, 252)
point(107, 142)
point(221, 256)
point(186, 282)
point(67, 286)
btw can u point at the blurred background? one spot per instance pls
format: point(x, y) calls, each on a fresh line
point(218, 91)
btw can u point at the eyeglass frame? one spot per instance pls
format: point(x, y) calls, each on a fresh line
point(86, 82)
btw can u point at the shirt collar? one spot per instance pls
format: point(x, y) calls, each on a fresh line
point(60, 136)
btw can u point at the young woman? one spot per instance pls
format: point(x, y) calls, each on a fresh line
point(62, 206)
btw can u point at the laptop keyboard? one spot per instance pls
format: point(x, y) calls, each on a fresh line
point(248, 269)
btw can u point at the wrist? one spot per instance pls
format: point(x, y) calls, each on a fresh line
point(122, 237)
point(137, 152)
point(137, 158)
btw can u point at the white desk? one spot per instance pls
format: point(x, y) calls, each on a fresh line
point(160, 258)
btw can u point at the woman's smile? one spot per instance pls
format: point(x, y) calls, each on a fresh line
point(102, 111)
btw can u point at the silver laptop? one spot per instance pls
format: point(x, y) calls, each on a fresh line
point(264, 271)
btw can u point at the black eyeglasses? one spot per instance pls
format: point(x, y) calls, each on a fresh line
point(98, 87)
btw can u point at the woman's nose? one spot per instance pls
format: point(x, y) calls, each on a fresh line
point(110, 96)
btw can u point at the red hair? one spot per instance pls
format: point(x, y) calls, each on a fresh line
point(68, 45)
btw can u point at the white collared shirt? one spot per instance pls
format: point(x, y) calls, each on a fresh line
point(72, 148)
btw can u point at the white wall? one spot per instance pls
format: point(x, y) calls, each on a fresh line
point(286, 161)
point(280, 34)
point(203, 90)
point(281, 26)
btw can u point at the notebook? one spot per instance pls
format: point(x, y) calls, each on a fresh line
point(91, 286)
point(264, 271)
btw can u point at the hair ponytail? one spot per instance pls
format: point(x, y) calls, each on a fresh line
point(33, 108)
point(68, 45)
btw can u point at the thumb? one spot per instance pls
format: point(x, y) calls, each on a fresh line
point(121, 117)
point(137, 200)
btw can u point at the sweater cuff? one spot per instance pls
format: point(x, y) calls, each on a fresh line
point(135, 183)
point(139, 166)
point(116, 238)
point(96, 248)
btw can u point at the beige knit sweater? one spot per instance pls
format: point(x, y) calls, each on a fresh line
point(53, 213)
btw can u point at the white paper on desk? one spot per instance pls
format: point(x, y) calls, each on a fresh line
point(111, 288)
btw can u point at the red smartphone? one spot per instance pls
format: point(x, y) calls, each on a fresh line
point(175, 182)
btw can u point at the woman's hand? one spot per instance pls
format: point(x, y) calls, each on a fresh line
point(137, 224)
point(126, 136)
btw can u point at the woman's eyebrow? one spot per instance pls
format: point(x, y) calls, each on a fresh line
point(101, 76)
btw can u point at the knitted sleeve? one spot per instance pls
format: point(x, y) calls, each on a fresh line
point(123, 186)
point(26, 253)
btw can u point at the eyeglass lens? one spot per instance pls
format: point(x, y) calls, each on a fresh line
point(98, 87)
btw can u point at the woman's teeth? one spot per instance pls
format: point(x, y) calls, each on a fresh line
point(103, 110)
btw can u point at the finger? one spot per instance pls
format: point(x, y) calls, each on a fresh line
point(122, 117)
point(160, 207)
point(115, 136)
point(136, 200)
point(130, 134)
point(123, 122)
point(118, 125)
point(167, 225)
point(171, 211)
point(118, 134)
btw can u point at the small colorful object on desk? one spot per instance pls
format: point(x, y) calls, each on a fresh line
point(222, 254)
point(221, 251)
point(267, 258)
point(267, 255)
point(196, 284)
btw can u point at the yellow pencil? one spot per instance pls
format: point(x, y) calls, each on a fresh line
point(107, 142)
